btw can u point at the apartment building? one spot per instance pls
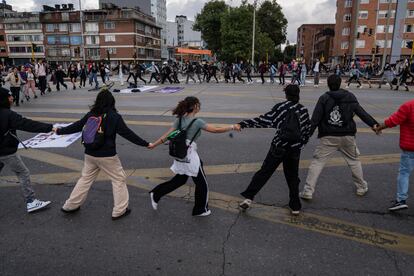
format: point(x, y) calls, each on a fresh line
point(111, 33)
point(369, 28)
point(24, 37)
point(315, 41)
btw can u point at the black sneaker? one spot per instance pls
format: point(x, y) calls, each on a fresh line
point(398, 205)
point(127, 212)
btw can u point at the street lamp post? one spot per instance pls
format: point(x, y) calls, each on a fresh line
point(81, 28)
point(254, 30)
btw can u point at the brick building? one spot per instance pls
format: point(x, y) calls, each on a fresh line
point(315, 41)
point(22, 31)
point(113, 33)
point(372, 37)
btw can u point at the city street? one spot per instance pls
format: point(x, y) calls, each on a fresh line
point(336, 233)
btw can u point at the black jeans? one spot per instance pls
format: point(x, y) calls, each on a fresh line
point(155, 77)
point(42, 84)
point(60, 82)
point(200, 193)
point(282, 79)
point(290, 159)
point(16, 94)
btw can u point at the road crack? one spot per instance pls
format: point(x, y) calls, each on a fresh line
point(223, 248)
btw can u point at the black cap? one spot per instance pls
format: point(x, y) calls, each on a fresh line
point(4, 93)
point(292, 90)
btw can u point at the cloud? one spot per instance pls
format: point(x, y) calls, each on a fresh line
point(297, 12)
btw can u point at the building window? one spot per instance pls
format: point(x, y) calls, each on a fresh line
point(76, 40)
point(410, 13)
point(363, 15)
point(381, 29)
point(384, 14)
point(51, 40)
point(344, 45)
point(360, 44)
point(111, 51)
point(1, 37)
point(404, 44)
point(50, 28)
point(347, 17)
point(361, 29)
point(364, 1)
point(63, 27)
point(92, 39)
point(92, 27)
point(348, 3)
point(109, 25)
point(408, 28)
point(65, 16)
point(381, 43)
point(2, 49)
point(387, 1)
point(95, 53)
point(110, 38)
point(75, 27)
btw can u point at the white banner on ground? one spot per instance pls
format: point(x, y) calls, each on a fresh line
point(138, 89)
point(51, 140)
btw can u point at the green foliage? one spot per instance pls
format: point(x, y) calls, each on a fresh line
point(290, 52)
point(208, 22)
point(228, 30)
point(236, 33)
point(272, 21)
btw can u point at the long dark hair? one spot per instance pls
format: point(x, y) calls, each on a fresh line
point(186, 106)
point(104, 102)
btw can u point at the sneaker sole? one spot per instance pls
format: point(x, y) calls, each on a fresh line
point(295, 213)
point(401, 207)
point(38, 208)
point(244, 207)
point(153, 203)
point(306, 197)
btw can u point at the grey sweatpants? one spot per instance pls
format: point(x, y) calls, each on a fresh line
point(15, 163)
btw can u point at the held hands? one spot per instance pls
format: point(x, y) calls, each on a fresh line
point(378, 128)
point(236, 127)
point(151, 146)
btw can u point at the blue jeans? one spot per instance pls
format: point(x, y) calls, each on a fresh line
point(303, 77)
point(94, 78)
point(406, 167)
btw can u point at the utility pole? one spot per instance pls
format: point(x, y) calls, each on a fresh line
point(81, 28)
point(387, 27)
point(357, 2)
point(254, 30)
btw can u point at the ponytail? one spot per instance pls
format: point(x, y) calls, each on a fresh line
point(186, 106)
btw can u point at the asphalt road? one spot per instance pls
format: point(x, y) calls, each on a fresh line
point(337, 233)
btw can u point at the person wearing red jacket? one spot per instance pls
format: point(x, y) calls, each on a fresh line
point(404, 117)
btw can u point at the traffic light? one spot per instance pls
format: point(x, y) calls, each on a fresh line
point(409, 44)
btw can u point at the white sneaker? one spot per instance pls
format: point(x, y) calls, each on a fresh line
point(361, 87)
point(305, 195)
point(295, 213)
point(205, 214)
point(347, 87)
point(153, 203)
point(362, 192)
point(245, 204)
point(36, 205)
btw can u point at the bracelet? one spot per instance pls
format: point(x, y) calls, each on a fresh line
point(162, 141)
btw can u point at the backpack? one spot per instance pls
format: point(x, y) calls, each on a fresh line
point(178, 146)
point(335, 116)
point(289, 130)
point(93, 135)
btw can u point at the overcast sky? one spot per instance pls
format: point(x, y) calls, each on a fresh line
point(297, 12)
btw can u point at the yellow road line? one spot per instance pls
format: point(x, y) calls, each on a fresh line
point(306, 221)
point(168, 124)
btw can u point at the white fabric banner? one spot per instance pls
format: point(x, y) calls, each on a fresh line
point(51, 140)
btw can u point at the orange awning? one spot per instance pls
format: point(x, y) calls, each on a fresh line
point(193, 51)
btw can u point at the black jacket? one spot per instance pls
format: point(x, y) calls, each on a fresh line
point(112, 125)
point(9, 123)
point(350, 107)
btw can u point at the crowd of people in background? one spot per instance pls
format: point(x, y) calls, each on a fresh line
point(32, 79)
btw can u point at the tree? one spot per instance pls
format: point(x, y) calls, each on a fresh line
point(208, 22)
point(272, 21)
point(264, 47)
point(290, 52)
point(236, 33)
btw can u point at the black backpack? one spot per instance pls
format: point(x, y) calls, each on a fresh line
point(336, 116)
point(289, 130)
point(178, 146)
